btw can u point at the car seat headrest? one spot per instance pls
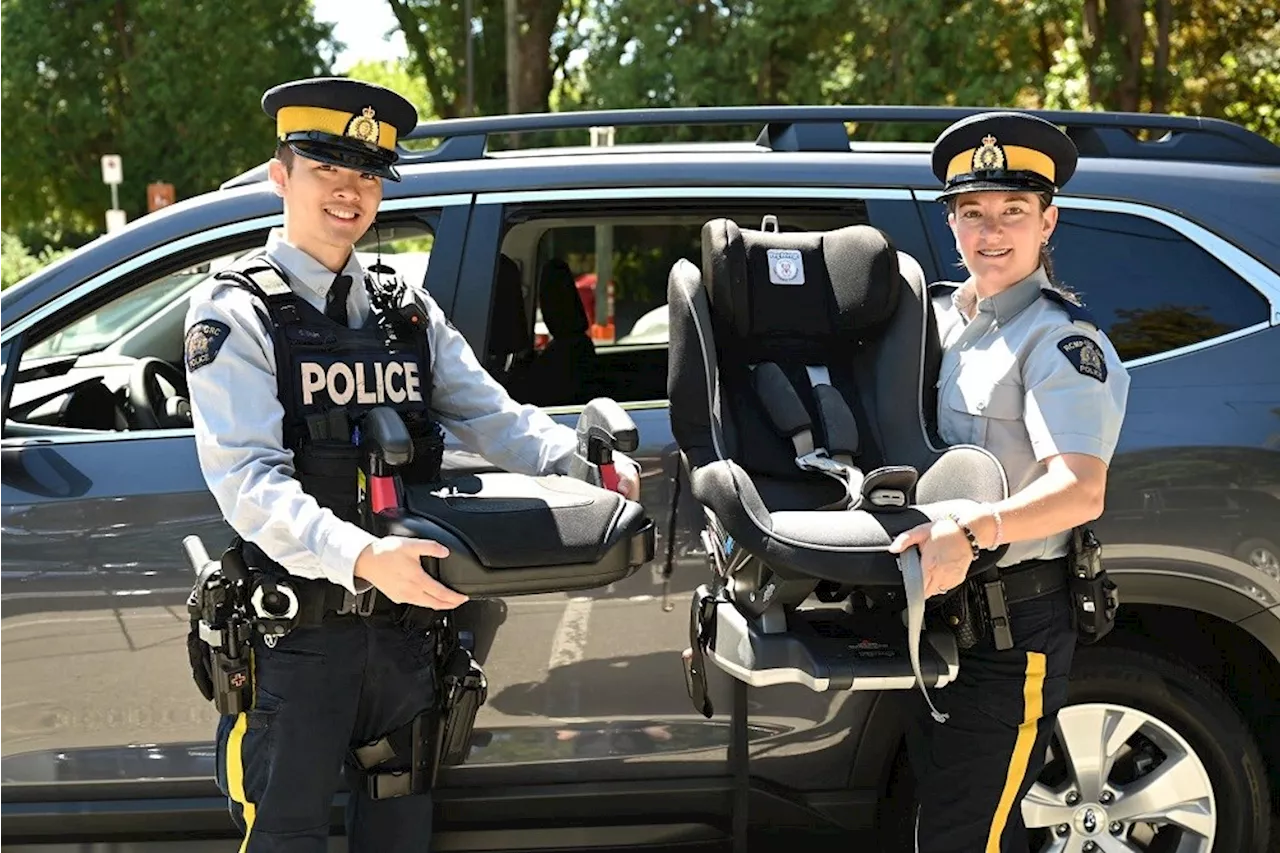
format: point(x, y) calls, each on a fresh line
point(562, 308)
point(509, 330)
point(815, 287)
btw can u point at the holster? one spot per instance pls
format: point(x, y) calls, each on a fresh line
point(463, 689)
point(965, 613)
point(1094, 595)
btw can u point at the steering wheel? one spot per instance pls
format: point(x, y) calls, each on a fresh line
point(152, 407)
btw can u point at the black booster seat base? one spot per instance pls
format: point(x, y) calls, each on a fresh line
point(516, 534)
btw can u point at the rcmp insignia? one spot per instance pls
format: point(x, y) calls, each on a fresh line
point(1085, 356)
point(989, 155)
point(202, 343)
point(364, 127)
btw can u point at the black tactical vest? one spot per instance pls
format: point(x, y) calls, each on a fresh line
point(328, 376)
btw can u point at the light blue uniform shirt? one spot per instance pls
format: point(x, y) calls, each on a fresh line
point(1026, 382)
point(238, 419)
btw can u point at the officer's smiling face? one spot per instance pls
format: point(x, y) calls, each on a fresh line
point(327, 208)
point(1000, 234)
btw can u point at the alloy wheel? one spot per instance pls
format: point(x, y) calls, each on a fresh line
point(1118, 780)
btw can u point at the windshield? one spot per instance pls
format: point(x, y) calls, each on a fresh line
point(118, 317)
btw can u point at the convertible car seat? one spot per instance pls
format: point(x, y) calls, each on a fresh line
point(803, 369)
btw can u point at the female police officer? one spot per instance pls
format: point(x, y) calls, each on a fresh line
point(1026, 375)
point(355, 677)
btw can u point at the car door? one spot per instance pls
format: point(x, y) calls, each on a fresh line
point(95, 576)
point(589, 685)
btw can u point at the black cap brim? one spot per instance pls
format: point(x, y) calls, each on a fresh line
point(336, 152)
point(1009, 182)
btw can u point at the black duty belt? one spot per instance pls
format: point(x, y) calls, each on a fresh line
point(1033, 579)
point(321, 600)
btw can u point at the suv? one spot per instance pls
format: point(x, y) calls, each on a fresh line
point(589, 737)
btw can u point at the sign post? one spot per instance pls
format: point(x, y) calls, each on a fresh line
point(113, 176)
point(602, 324)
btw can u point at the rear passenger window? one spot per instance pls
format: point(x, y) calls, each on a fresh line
point(1152, 289)
point(590, 340)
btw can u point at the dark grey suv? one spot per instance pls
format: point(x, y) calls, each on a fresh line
point(588, 737)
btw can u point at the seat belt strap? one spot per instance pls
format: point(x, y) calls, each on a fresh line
point(913, 580)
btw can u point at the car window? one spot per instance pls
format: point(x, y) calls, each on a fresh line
point(1151, 289)
point(109, 323)
point(622, 353)
point(77, 374)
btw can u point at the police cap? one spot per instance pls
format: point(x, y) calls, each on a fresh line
point(1003, 151)
point(342, 122)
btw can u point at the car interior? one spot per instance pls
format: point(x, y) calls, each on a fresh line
point(541, 345)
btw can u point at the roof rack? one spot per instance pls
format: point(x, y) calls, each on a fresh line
point(822, 128)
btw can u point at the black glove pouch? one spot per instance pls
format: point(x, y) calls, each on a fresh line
point(964, 612)
point(201, 665)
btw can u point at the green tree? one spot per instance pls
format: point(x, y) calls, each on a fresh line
point(435, 32)
point(174, 88)
point(655, 53)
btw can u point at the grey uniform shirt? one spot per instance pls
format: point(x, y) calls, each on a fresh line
point(1026, 382)
point(238, 419)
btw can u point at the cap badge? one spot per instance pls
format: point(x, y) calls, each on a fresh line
point(989, 156)
point(364, 127)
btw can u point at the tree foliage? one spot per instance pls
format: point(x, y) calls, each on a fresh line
point(174, 88)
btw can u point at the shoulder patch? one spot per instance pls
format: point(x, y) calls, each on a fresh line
point(202, 343)
point(1085, 356)
point(1075, 311)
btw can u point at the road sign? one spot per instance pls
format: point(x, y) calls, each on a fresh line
point(112, 169)
point(159, 195)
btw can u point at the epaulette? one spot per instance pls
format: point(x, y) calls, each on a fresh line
point(1075, 311)
point(939, 288)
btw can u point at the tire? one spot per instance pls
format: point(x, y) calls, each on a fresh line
point(1194, 721)
point(1174, 696)
point(1262, 554)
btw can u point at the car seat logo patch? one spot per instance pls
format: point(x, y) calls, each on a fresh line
point(785, 266)
point(202, 343)
point(1085, 356)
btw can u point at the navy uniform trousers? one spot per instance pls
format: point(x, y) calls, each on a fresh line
point(973, 770)
point(320, 692)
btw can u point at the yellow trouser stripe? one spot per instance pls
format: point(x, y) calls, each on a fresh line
point(235, 762)
point(1033, 709)
point(235, 775)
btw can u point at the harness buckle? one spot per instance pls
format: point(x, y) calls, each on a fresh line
point(360, 604)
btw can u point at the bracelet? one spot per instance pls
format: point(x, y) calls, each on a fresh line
point(968, 534)
point(995, 515)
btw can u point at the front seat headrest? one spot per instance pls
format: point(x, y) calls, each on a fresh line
point(806, 291)
point(509, 330)
point(562, 309)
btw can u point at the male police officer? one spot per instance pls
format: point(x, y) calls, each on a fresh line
point(283, 355)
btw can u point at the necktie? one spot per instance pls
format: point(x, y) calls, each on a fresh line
point(335, 306)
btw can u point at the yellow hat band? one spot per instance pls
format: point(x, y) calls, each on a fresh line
point(1015, 159)
point(361, 126)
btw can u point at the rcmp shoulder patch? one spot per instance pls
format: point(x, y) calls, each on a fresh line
point(202, 343)
point(1085, 356)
